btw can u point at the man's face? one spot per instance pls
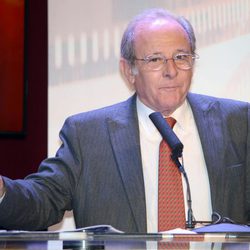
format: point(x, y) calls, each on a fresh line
point(166, 89)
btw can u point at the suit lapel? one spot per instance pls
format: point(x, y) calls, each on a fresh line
point(208, 119)
point(124, 136)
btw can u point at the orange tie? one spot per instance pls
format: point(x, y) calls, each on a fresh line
point(171, 210)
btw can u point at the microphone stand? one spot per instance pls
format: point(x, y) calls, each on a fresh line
point(177, 147)
point(190, 223)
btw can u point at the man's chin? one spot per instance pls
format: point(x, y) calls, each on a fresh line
point(169, 107)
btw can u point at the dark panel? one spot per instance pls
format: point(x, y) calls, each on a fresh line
point(21, 156)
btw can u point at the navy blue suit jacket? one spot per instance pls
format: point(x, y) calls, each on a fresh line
point(97, 171)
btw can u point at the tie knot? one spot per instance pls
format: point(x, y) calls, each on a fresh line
point(171, 121)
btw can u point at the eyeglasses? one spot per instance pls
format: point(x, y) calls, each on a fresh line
point(183, 61)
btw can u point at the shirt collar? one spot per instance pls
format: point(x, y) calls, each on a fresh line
point(143, 112)
point(182, 115)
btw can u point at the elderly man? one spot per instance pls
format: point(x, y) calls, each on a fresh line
point(106, 169)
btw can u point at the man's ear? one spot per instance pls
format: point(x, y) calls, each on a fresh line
point(127, 72)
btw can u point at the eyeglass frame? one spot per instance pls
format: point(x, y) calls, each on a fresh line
point(165, 59)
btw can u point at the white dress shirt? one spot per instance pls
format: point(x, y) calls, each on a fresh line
point(193, 161)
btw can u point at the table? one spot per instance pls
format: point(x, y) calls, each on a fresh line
point(116, 241)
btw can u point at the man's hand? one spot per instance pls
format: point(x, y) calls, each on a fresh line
point(1, 187)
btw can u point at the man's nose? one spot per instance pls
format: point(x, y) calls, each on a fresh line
point(169, 69)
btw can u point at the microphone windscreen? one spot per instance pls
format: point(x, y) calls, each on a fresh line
point(167, 133)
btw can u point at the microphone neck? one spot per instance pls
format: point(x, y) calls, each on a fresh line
point(190, 222)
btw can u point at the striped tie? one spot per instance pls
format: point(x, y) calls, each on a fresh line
point(171, 210)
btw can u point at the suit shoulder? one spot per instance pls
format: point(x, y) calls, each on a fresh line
point(101, 113)
point(222, 101)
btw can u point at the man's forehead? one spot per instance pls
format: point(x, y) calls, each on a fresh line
point(162, 22)
point(157, 24)
point(160, 33)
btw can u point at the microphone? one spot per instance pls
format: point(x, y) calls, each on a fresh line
point(167, 133)
point(176, 146)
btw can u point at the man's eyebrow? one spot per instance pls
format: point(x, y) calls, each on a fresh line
point(161, 53)
point(152, 54)
point(183, 50)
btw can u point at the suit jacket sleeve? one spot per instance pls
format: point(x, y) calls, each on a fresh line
point(97, 172)
point(41, 199)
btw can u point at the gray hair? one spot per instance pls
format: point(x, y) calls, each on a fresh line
point(127, 43)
